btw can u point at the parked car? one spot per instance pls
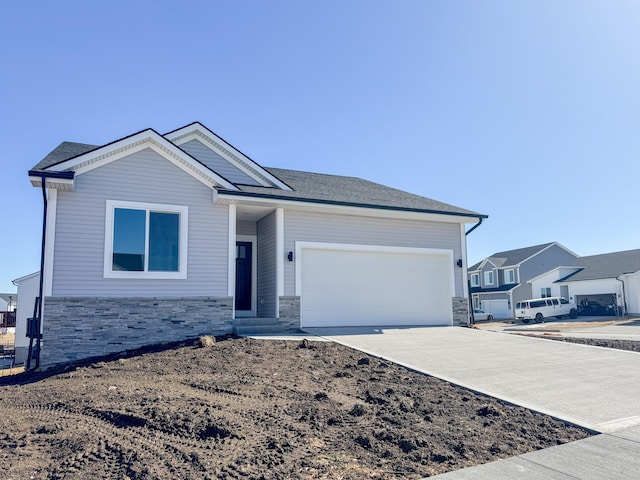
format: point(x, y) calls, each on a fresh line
point(597, 309)
point(540, 308)
point(591, 309)
point(481, 315)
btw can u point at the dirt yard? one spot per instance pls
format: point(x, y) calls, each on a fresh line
point(254, 409)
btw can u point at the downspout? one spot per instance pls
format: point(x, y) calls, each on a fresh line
point(37, 314)
point(41, 286)
point(475, 226)
point(624, 296)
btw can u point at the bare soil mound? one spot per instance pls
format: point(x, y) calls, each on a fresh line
point(629, 345)
point(255, 409)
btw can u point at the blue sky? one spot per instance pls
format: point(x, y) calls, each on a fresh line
point(527, 111)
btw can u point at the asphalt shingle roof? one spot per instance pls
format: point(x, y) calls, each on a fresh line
point(512, 257)
point(307, 186)
point(350, 191)
point(62, 152)
point(606, 265)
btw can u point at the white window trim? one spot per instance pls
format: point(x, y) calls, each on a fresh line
point(477, 277)
point(155, 207)
point(513, 270)
point(493, 277)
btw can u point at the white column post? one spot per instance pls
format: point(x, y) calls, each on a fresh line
point(280, 256)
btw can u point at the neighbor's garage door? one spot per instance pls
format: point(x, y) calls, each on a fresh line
point(499, 308)
point(362, 286)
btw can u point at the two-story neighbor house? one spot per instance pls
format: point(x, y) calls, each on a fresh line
point(498, 282)
point(153, 238)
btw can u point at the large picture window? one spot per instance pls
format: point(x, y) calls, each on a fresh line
point(145, 240)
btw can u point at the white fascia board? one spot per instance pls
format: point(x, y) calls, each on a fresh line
point(221, 198)
point(26, 277)
point(57, 183)
point(135, 143)
point(197, 131)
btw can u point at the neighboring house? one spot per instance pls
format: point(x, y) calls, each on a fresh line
point(501, 280)
point(7, 310)
point(153, 238)
point(607, 279)
point(28, 287)
point(7, 302)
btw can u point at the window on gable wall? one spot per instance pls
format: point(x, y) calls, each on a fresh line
point(545, 292)
point(488, 277)
point(475, 280)
point(510, 276)
point(145, 240)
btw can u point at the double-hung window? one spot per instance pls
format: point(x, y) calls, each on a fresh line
point(145, 240)
point(488, 277)
point(510, 276)
point(475, 280)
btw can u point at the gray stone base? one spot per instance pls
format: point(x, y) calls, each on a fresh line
point(80, 327)
point(289, 315)
point(460, 307)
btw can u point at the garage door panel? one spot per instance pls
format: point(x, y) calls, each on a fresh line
point(374, 288)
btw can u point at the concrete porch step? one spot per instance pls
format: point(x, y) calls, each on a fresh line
point(258, 326)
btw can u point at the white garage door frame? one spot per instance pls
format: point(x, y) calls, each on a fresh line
point(442, 257)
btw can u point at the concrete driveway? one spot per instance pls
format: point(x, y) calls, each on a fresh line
point(594, 387)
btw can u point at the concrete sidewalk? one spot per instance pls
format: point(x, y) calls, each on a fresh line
point(593, 387)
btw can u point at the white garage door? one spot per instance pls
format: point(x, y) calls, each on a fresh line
point(362, 286)
point(499, 308)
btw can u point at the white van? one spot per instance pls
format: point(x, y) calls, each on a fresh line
point(539, 308)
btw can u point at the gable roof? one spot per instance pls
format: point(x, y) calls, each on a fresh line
point(606, 265)
point(149, 138)
point(291, 185)
point(221, 147)
point(512, 258)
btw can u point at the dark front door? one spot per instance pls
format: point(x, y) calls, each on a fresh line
point(243, 275)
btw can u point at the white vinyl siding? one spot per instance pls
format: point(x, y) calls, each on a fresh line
point(216, 163)
point(350, 229)
point(141, 177)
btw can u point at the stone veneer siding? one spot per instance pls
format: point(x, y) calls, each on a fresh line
point(80, 327)
point(289, 317)
point(460, 307)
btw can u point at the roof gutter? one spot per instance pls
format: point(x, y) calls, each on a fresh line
point(476, 225)
point(319, 201)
